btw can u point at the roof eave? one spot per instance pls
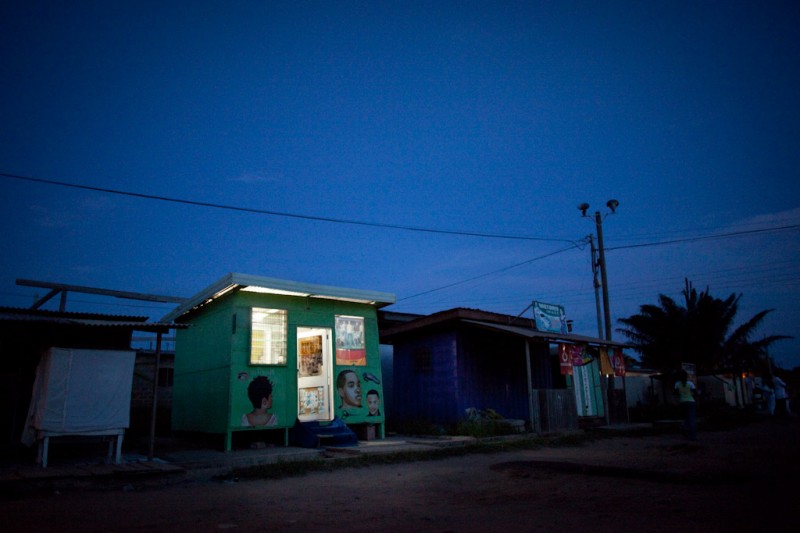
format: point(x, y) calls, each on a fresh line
point(237, 281)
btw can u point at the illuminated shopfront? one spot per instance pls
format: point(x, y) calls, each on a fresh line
point(266, 354)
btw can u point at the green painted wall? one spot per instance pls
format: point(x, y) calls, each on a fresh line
point(201, 393)
point(212, 370)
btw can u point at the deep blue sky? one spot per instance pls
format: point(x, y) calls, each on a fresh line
point(479, 117)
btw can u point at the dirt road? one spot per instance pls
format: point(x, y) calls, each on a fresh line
point(733, 480)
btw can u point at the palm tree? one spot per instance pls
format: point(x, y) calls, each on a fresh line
point(669, 334)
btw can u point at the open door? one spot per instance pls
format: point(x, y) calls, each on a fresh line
point(314, 386)
point(588, 391)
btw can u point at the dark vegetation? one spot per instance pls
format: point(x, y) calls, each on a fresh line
point(700, 330)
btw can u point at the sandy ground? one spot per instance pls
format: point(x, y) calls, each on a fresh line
point(733, 480)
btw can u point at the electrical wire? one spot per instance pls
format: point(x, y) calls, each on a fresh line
point(580, 244)
point(629, 292)
point(705, 237)
point(284, 214)
point(499, 271)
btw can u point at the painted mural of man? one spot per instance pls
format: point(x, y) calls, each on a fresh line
point(373, 403)
point(348, 384)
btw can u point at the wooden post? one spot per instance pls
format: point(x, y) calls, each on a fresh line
point(157, 364)
point(534, 419)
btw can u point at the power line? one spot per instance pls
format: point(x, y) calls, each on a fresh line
point(705, 237)
point(283, 214)
point(385, 225)
point(499, 271)
point(573, 244)
point(642, 235)
point(634, 291)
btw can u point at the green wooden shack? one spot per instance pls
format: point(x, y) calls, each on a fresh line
point(264, 354)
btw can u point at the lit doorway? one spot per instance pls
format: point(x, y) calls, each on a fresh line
point(314, 386)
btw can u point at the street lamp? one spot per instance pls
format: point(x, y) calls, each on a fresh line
point(601, 262)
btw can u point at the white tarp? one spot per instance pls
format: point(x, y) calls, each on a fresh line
point(79, 391)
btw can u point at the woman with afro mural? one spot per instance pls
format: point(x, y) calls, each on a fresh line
point(260, 393)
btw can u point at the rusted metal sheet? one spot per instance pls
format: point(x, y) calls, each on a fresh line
point(557, 410)
point(55, 318)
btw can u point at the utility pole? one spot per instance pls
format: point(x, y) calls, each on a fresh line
point(596, 285)
point(598, 220)
point(601, 263)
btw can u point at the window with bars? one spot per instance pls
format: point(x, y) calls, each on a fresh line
point(268, 337)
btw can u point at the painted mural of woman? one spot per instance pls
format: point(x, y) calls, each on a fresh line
point(260, 394)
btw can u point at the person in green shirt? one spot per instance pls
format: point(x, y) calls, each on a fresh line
point(685, 390)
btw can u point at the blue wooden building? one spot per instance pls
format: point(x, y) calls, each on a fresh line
point(448, 362)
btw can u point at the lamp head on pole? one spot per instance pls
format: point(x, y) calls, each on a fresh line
point(612, 205)
point(583, 207)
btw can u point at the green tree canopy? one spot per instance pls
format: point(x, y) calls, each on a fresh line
point(700, 332)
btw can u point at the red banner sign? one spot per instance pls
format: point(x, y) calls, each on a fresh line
point(565, 359)
point(618, 362)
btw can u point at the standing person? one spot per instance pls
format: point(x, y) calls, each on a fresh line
point(749, 386)
point(768, 390)
point(685, 390)
point(780, 397)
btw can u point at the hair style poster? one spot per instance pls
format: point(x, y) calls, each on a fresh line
point(310, 356)
point(312, 401)
point(350, 345)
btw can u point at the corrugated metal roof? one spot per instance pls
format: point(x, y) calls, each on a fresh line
point(455, 314)
point(72, 314)
point(547, 335)
point(37, 316)
point(236, 281)
point(493, 321)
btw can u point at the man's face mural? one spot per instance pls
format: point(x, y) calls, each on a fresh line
point(373, 404)
point(350, 390)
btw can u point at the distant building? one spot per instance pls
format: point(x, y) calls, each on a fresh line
point(454, 360)
point(64, 361)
